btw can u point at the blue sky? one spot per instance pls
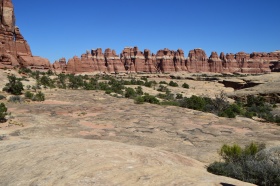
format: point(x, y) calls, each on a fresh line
point(64, 28)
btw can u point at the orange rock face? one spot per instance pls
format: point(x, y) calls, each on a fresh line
point(132, 60)
point(14, 49)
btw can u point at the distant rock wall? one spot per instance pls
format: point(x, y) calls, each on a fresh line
point(15, 52)
point(132, 60)
point(14, 49)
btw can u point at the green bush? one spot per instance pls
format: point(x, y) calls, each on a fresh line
point(170, 103)
point(15, 99)
point(3, 112)
point(46, 82)
point(75, 82)
point(194, 102)
point(139, 100)
point(39, 97)
point(139, 90)
point(129, 93)
point(185, 85)
point(28, 95)
point(14, 86)
point(162, 88)
point(179, 96)
point(163, 82)
point(245, 164)
point(2, 97)
point(150, 99)
point(173, 84)
point(24, 71)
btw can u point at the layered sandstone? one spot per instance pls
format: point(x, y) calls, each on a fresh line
point(197, 61)
point(14, 49)
point(132, 60)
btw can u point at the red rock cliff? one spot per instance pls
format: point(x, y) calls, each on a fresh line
point(14, 49)
point(132, 60)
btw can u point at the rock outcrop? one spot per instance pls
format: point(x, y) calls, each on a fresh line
point(132, 60)
point(14, 49)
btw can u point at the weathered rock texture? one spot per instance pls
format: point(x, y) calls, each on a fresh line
point(132, 60)
point(14, 49)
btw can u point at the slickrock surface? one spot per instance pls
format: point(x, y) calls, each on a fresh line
point(92, 162)
point(92, 115)
point(79, 137)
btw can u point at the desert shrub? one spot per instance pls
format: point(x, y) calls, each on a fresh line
point(185, 85)
point(24, 70)
point(162, 96)
point(150, 83)
point(170, 103)
point(139, 100)
point(150, 99)
point(163, 82)
point(194, 102)
point(134, 81)
point(231, 111)
point(246, 165)
point(75, 82)
point(108, 91)
point(14, 86)
point(40, 96)
point(129, 93)
point(179, 96)
point(257, 106)
point(139, 90)
point(2, 97)
point(46, 82)
point(50, 72)
point(173, 84)
point(28, 95)
point(15, 99)
point(61, 81)
point(35, 75)
point(3, 112)
point(162, 88)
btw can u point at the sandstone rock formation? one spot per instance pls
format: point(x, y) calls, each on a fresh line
point(60, 66)
point(132, 60)
point(14, 49)
point(197, 61)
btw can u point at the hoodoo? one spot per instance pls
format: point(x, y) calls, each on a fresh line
point(132, 60)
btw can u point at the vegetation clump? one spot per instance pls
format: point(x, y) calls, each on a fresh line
point(14, 86)
point(173, 84)
point(3, 112)
point(186, 86)
point(245, 164)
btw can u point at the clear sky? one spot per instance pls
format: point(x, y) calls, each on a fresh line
point(64, 28)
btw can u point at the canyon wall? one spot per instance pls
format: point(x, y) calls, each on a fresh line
point(14, 49)
point(132, 60)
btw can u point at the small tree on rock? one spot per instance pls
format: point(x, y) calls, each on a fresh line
point(14, 86)
point(3, 112)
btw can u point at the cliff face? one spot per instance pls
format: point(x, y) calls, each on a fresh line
point(132, 60)
point(14, 49)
